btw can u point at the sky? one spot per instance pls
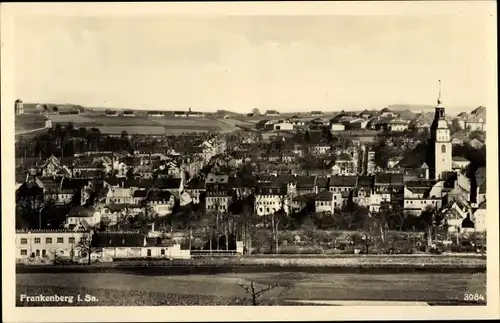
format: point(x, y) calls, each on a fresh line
point(238, 63)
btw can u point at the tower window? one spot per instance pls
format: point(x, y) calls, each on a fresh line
point(443, 149)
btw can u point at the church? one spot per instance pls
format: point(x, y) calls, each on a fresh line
point(439, 158)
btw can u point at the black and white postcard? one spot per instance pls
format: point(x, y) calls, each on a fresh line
point(249, 161)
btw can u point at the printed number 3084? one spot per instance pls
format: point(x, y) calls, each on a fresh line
point(473, 297)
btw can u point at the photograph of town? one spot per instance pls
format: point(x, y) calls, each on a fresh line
point(251, 160)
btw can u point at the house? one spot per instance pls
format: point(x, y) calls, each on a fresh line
point(393, 161)
point(323, 202)
point(129, 113)
point(162, 202)
point(456, 213)
point(76, 214)
point(272, 113)
point(345, 164)
point(270, 196)
point(386, 113)
point(316, 113)
point(53, 167)
point(480, 179)
point(365, 114)
point(218, 201)
point(283, 125)
point(319, 149)
point(196, 189)
point(356, 124)
point(459, 138)
point(341, 184)
point(476, 124)
point(418, 195)
point(111, 113)
point(398, 125)
point(362, 196)
point(216, 179)
point(337, 127)
point(476, 144)
point(47, 244)
point(155, 114)
point(304, 184)
point(120, 194)
point(300, 202)
point(123, 245)
point(459, 163)
point(479, 218)
point(173, 185)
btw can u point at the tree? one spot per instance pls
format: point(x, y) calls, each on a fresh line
point(431, 219)
point(256, 111)
point(310, 228)
point(275, 219)
point(30, 203)
point(85, 248)
point(254, 294)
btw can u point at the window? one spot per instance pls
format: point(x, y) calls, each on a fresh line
point(48, 240)
point(24, 252)
point(44, 253)
point(443, 148)
point(71, 240)
point(149, 253)
point(60, 240)
point(163, 252)
point(37, 240)
point(37, 253)
point(24, 241)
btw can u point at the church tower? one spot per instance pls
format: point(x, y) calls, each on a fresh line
point(440, 143)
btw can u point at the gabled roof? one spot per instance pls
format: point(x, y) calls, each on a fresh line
point(117, 207)
point(324, 196)
point(118, 239)
point(389, 179)
point(167, 183)
point(460, 159)
point(343, 181)
point(140, 194)
point(81, 211)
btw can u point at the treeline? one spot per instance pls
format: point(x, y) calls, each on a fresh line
point(67, 141)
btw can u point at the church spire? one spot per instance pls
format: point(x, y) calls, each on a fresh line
point(439, 94)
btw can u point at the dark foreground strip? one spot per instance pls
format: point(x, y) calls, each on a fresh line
point(210, 269)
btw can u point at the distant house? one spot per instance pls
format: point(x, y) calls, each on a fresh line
point(129, 113)
point(155, 114)
point(272, 113)
point(196, 114)
point(283, 125)
point(365, 114)
point(316, 113)
point(460, 163)
point(337, 127)
point(179, 113)
point(398, 125)
point(475, 125)
point(459, 139)
point(386, 113)
point(476, 144)
point(19, 107)
point(111, 113)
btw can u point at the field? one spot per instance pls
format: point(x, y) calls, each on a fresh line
point(223, 289)
point(27, 122)
point(133, 125)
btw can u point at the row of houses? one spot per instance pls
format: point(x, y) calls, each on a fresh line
point(33, 245)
